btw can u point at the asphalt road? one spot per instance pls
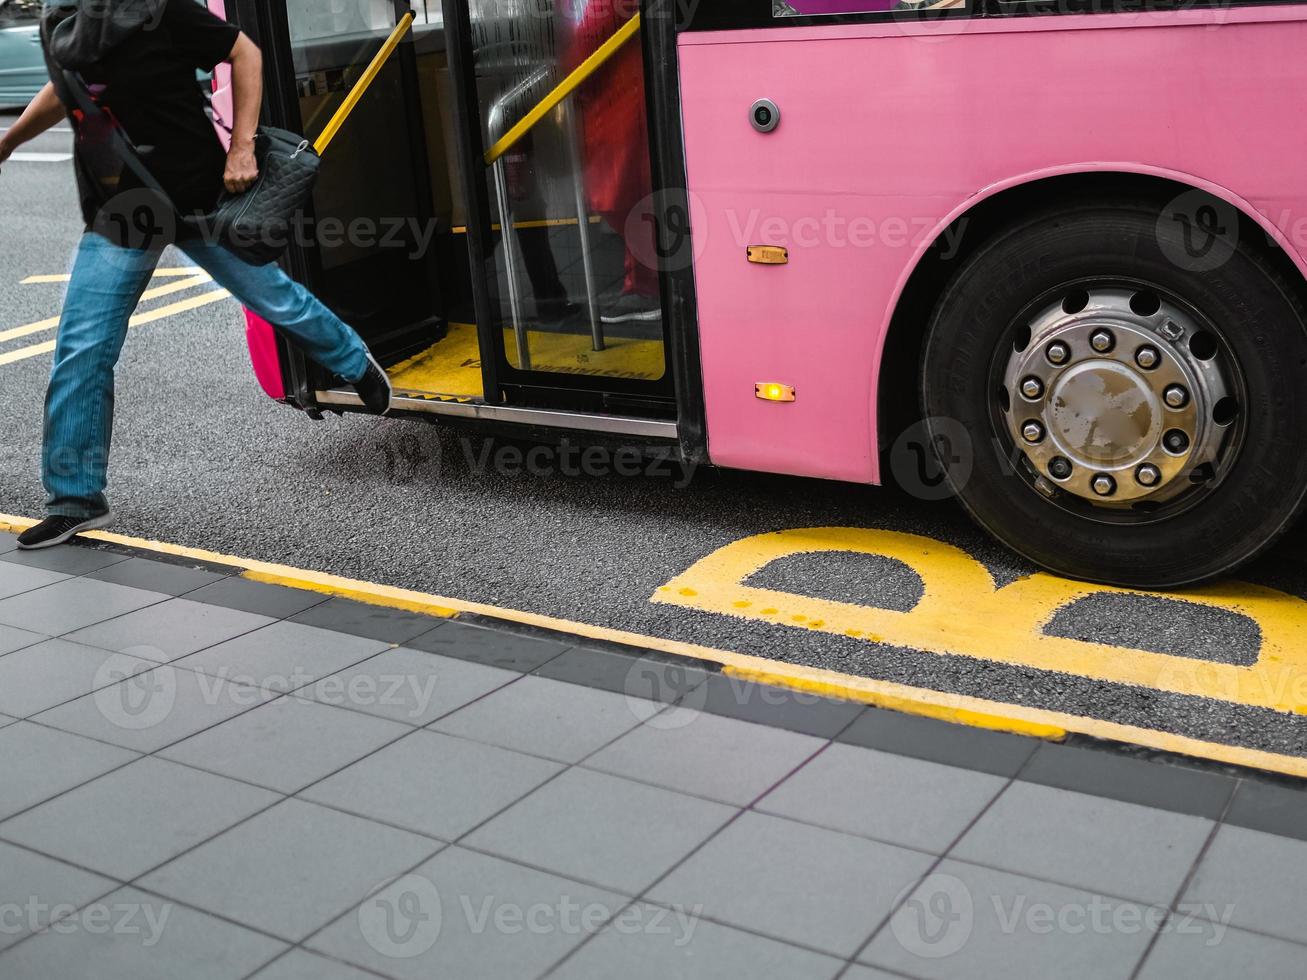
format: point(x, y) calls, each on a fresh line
point(202, 458)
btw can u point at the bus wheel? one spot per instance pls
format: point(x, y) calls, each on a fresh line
point(1137, 406)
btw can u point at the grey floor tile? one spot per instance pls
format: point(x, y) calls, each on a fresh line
point(283, 657)
point(33, 886)
point(469, 916)
point(409, 686)
point(1251, 879)
point(778, 707)
point(859, 972)
point(1195, 952)
point(300, 964)
point(498, 648)
point(962, 746)
point(135, 818)
point(653, 678)
point(433, 784)
point(550, 718)
point(8, 542)
point(287, 744)
point(12, 638)
point(599, 828)
point(155, 940)
point(973, 923)
point(1273, 808)
point(154, 708)
point(20, 579)
point(290, 870)
point(50, 673)
point(70, 559)
point(37, 763)
point(718, 758)
point(892, 798)
point(1087, 841)
point(798, 883)
point(363, 619)
point(72, 604)
point(1200, 792)
point(256, 597)
point(649, 942)
point(157, 576)
point(170, 630)
point(6, 720)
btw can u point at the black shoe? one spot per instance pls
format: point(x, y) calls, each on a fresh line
point(58, 529)
point(375, 388)
point(630, 306)
point(551, 311)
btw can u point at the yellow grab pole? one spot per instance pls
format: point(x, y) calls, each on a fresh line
point(564, 88)
point(360, 89)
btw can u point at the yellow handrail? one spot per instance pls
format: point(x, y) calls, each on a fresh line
point(564, 88)
point(361, 87)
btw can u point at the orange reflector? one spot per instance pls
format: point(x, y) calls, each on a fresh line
point(770, 391)
point(767, 254)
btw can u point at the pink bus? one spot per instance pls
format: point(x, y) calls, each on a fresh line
point(1052, 255)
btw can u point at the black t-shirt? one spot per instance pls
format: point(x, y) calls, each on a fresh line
point(150, 85)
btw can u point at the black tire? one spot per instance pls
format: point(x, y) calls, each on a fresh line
point(1264, 325)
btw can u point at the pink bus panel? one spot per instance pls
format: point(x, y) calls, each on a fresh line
point(890, 131)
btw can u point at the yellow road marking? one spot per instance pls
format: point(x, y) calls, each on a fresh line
point(155, 293)
point(139, 320)
point(961, 613)
point(186, 270)
point(963, 709)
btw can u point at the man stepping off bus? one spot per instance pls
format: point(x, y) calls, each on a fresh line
point(148, 81)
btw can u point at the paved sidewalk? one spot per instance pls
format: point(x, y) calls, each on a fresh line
point(206, 777)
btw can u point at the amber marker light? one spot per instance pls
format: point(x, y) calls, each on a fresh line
point(771, 391)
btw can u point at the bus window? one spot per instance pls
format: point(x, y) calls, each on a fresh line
point(576, 275)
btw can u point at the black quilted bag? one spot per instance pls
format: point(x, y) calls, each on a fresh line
point(258, 224)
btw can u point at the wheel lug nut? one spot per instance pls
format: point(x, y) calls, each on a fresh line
point(1176, 441)
point(1147, 357)
point(1148, 475)
point(1059, 468)
point(1102, 341)
point(1176, 396)
point(1032, 432)
point(1032, 388)
point(1104, 485)
point(1058, 352)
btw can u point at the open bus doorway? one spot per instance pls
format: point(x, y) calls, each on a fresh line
point(571, 316)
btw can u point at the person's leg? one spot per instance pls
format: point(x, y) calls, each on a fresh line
point(288, 306)
point(106, 284)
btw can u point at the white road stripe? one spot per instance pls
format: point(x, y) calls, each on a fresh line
point(21, 157)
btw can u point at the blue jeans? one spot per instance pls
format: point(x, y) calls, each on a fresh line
point(107, 283)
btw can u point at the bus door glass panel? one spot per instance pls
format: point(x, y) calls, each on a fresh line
point(574, 261)
point(383, 206)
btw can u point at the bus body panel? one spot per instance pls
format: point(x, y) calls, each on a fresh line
point(889, 131)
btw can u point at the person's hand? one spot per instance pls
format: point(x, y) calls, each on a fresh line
point(242, 170)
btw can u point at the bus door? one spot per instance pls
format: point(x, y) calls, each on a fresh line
point(551, 121)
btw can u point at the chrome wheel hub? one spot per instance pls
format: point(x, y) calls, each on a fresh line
point(1119, 397)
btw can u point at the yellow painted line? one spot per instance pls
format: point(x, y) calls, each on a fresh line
point(536, 223)
point(155, 293)
point(138, 320)
point(962, 613)
point(563, 89)
point(186, 270)
point(963, 709)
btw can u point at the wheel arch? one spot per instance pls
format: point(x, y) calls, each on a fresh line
point(984, 214)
